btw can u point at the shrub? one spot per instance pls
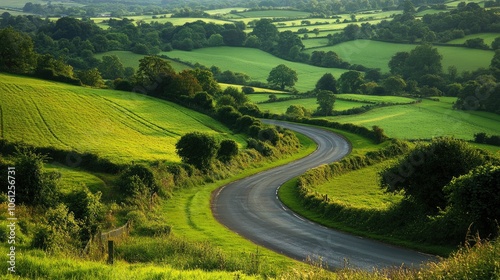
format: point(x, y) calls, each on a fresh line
point(228, 150)
point(198, 149)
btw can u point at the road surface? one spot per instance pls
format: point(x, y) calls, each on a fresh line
point(251, 208)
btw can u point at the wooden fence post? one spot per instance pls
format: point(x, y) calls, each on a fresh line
point(111, 252)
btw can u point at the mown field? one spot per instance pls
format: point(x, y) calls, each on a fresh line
point(253, 62)
point(426, 120)
point(487, 37)
point(376, 54)
point(120, 126)
point(312, 105)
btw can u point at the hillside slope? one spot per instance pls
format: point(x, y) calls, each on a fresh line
point(120, 126)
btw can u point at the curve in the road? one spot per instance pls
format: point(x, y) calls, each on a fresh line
point(251, 208)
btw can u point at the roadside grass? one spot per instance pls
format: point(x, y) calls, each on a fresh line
point(376, 54)
point(487, 37)
point(253, 62)
point(112, 124)
point(130, 59)
point(426, 120)
point(359, 189)
point(189, 214)
point(36, 264)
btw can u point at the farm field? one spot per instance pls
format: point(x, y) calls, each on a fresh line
point(113, 124)
point(359, 189)
point(426, 120)
point(313, 42)
point(309, 103)
point(130, 59)
point(326, 27)
point(274, 14)
point(253, 62)
point(375, 54)
point(487, 37)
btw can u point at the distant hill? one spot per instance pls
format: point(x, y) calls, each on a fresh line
point(120, 126)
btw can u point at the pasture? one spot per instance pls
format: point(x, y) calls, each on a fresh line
point(487, 37)
point(308, 103)
point(116, 125)
point(375, 54)
point(274, 14)
point(253, 62)
point(359, 189)
point(426, 120)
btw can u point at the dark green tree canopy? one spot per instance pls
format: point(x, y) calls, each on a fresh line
point(16, 51)
point(282, 76)
point(325, 100)
point(351, 81)
point(327, 82)
point(423, 173)
point(198, 149)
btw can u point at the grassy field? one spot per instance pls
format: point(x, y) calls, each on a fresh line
point(426, 120)
point(376, 54)
point(113, 124)
point(487, 37)
point(275, 14)
point(253, 62)
point(308, 103)
point(359, 189)
point(130, 59)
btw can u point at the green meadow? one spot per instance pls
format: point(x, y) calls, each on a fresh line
point(274, 14)
point(375, 54)
point(130, 59)
point(253, 62)
point(120, 126)
point(308, 103)
point(487, 37)
point(426, 120)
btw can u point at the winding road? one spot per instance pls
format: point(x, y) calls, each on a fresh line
point(251, 208)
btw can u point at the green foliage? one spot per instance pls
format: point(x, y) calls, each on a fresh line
point(474, 199)
point(227, 151)
point(151, 70)
point(297, 111)
point(327, 82)
point(423, 173)
point(198, 149)
point(111, 67)
point(39, 188)
point(88, 209)
point(91, 77)
point(269, 134)
point(325, 100)
point(16, 51)
point(351, 81)
point(206, 80)
point(128, 179)
point(282, 76)
point(57, 233)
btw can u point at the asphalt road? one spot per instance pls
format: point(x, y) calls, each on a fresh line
point(251, 208)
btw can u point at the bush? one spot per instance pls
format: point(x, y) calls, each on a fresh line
point(198, 149)
point(227, 151)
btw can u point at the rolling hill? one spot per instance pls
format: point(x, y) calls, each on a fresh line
point(120, 126)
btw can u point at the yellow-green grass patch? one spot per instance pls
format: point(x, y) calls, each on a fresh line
point(426, 120)
point(359, 189)
point(375, 54)
point(274, 14)
point(487, 37)
point(119, 126)
point(308, 103)
point(253, 62)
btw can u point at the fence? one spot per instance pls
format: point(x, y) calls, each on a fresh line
point(96, 246)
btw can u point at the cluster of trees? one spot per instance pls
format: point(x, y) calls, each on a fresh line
point(69, 220)
point(467, 19)
point(449, 177)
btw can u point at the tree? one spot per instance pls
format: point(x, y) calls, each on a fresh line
point(351, 81)
point(267, 33)
point(394, 85)
point(91, 77)
point(111, 67)
point(197, 149)
point(422, 174)
point(40, 188)
point(422, 60)
point(474, 199)
point(16, 51)
point(206, 80)
point(325, 100)
point(227, 151)
point(397, 62)
point(152, 69)
point(327, 82)
point(496, 43)
point(215, 40)
point(282, 76)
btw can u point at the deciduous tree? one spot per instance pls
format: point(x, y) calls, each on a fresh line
point(282, 76)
